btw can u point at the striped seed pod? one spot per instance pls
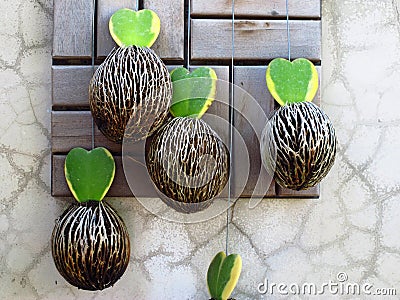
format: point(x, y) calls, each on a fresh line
point(132, 82)
point(90, 245)
point(299, 145)
point(188, 163)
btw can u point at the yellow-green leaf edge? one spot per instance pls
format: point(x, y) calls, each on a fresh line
point(155, 27)
point(70, 185)
point(312, 86)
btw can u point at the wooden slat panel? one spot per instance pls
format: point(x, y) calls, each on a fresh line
point(105, 8)
point(257, 8)
point(72, 28)
point(171, 41)
point(254, 40)
point(70, 129)
point(119, 188)
point(74, 129)
point(250, 119)
point(313, 192)
point(71, 86)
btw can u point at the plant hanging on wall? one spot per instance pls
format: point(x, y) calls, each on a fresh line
point(187, 161)
point(223, 275)
point(90, 243)
point(299, 135)
point(132, 82)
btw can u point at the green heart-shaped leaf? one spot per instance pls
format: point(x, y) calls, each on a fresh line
point(291, 82)
point(134, 28)
point(89, 174)
point(193, 92)
point(223, 275)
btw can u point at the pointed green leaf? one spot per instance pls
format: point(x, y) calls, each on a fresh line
point(193, 92)
point(89, 174)
point(213, 273)
point(134, 28)
point(291, 82)
point(223, 275)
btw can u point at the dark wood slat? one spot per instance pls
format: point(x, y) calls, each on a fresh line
point(70, 129)
point(71, 86)
point(72, 28)
point(249, 120)
point(313, 192)
point(105, 9)
point(119, 188)
point(171, 41)
point(254, 40)
point(256, 8)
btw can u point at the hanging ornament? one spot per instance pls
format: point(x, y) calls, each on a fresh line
point(299, 135)
point(132, 82)
point(90, 243)
point(187, 161)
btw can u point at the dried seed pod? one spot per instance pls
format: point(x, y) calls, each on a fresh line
point(90, 245)
point(132, 82)
point(302, 139)
point(188, 163)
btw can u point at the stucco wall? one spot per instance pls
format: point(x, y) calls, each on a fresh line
point(352, 228)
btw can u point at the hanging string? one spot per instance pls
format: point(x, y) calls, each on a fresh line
point(188, 36)
point(231, 113)
point(93, 57)
point(288, 28)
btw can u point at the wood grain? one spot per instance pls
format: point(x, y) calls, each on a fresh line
point(71, 86)
point(105, 9)
point(256, 8)
point(252, 104)
point(72, 35)
point(254, 39)
point(171, 41)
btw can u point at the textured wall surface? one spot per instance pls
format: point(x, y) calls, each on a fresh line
point(352, 228)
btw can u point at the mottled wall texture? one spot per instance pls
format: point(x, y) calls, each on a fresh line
point(352, 228)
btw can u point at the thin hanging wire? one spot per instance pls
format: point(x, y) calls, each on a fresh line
point(288, 28)
point(93, 57)
point(188, 36)
point(231, 112)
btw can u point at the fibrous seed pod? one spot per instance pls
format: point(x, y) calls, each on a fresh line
point(132, 83)
point(299, 145)
point(90, 245)
point(188, 163)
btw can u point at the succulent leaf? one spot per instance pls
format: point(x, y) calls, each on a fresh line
point(193, 92)
point(292, 82)
point(223, 275)
point(89, 174)
point(134, 28)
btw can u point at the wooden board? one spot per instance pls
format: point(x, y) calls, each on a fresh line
point(170, 43)
point(256, 8)
point(72, 28)
point(71, 86)
point(254, 39)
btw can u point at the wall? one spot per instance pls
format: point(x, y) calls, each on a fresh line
point(352, 228)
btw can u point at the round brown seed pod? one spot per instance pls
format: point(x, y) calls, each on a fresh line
point(299, 145)
point(188, 163)
point(90, 245)
point(132, 82)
